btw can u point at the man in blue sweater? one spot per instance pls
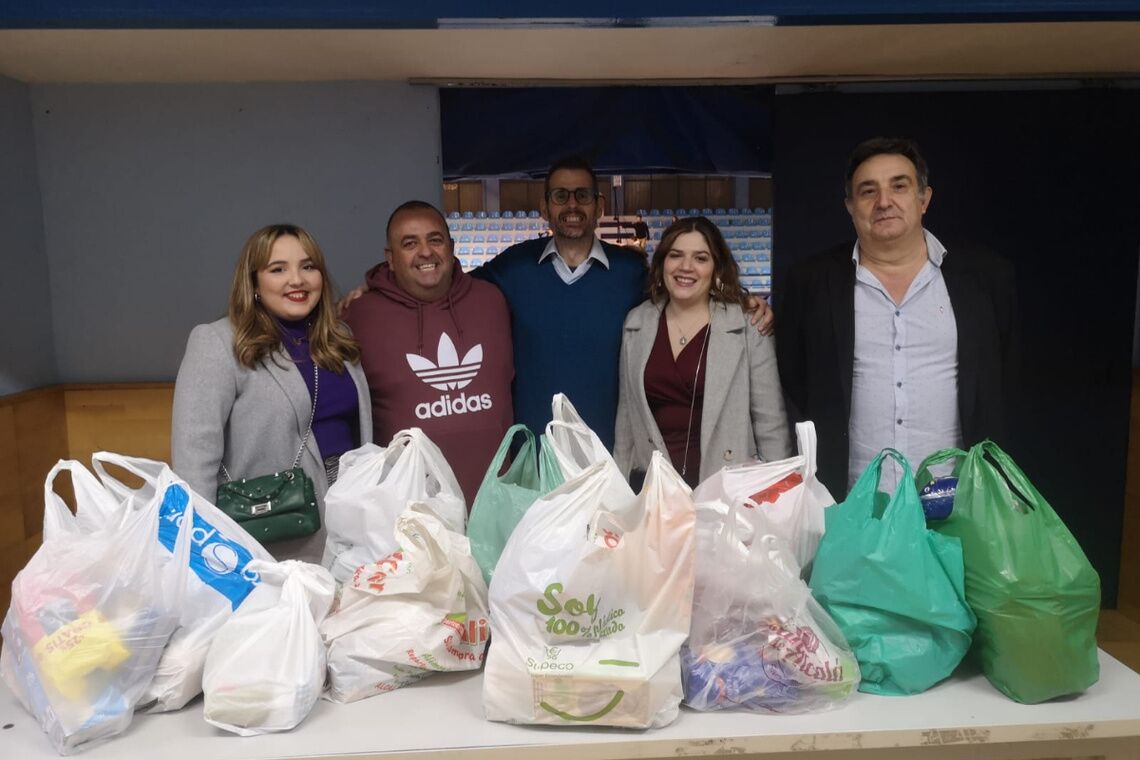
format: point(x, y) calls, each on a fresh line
point(568, 296)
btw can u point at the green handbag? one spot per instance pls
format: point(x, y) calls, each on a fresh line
point(278, 506)
point(273, 507)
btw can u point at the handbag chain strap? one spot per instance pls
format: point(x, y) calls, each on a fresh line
point(308, 429)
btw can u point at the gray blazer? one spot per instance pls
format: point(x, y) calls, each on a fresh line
point(250, 419)
point(742, 416)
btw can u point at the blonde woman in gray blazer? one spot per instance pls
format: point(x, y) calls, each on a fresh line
point(243, 397)
point(730, 385)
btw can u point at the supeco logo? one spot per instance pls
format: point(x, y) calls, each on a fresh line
point(217, 561)
point(449, 373)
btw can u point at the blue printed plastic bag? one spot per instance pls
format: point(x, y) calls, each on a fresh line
point(220, 552)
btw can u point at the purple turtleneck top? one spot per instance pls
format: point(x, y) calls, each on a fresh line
point(336, 424)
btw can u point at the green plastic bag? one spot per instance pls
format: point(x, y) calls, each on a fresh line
point(1035, 593)
point(502, 500)
point(894, 587)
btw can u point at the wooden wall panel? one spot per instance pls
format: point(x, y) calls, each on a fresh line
point(664, 192)
point(691, 193)
point(638, 194)
point(33, 436)
point(520, 194)
point(720, 192)
point(450, 197)
point(127, 419)
point(760, 192)
point(470, 196)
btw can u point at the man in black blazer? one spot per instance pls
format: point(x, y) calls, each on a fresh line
point(895, 340)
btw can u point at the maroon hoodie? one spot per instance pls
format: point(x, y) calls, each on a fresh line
point(445, 367)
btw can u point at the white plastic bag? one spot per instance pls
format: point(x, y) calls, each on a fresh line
point(781, 498)
point(759, 640)
point(90, 615)
point(266, 665)
point(576, 447)
point(421, 609)
point(220, 577)
point(589, 612)
point(374, 487)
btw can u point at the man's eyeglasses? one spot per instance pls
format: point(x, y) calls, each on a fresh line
point(561, 196)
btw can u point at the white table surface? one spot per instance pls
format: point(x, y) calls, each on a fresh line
point(444, 712)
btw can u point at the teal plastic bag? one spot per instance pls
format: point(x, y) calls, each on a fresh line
point(1036, 595)
point(894, 587)
point(502, 500)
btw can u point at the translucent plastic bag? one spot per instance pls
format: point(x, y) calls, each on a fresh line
point(266, 666)
point(576, 447)
point(219, 581)
point(374, 487)
point(422, 609)
point(759, 641)
point(590, 604)
point(783, 498)
point(90, 615)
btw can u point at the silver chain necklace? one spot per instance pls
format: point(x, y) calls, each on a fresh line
point(693, 399)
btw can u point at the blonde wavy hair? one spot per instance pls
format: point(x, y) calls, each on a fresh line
point(256, 332)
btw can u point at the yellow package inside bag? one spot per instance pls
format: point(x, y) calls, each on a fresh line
point(70, 653)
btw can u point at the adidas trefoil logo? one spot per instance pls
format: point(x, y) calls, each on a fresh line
point(447, 372)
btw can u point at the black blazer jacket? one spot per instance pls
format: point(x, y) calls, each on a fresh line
point(815, 346)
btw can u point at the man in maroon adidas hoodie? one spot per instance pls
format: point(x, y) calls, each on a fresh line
point(436, 346)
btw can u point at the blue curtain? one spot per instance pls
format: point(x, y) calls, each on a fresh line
point(620, 130)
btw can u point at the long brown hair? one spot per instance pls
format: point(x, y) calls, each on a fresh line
point(256, 333)
point(725, 288)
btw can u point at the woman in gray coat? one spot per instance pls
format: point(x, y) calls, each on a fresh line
point(245, 392)
point(696, 381)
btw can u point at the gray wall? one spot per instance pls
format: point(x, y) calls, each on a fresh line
point(149, 192)
point(25, 309)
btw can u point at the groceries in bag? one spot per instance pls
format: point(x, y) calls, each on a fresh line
point(894, 588)
point(89, 617)
point(218, 582)
point(1036, 595)
point(374, 486)
point(266, 666)
point(590, 604)
point(759, 641)
point(422, 609)
point(503, 499)
point(784, 495)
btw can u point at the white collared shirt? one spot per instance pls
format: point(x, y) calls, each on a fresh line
point(568, 275)
point(904, 379)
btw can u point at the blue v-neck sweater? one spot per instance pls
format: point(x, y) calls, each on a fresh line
point(567, 338)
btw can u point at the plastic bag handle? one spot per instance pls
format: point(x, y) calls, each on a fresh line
point(806, 442)
point(429, 455)
point(869, 481)
point(1013, 474)
point(562, 410)
point(58, 518)
point(113, 484)
point(525, 452)
point(922, 475)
